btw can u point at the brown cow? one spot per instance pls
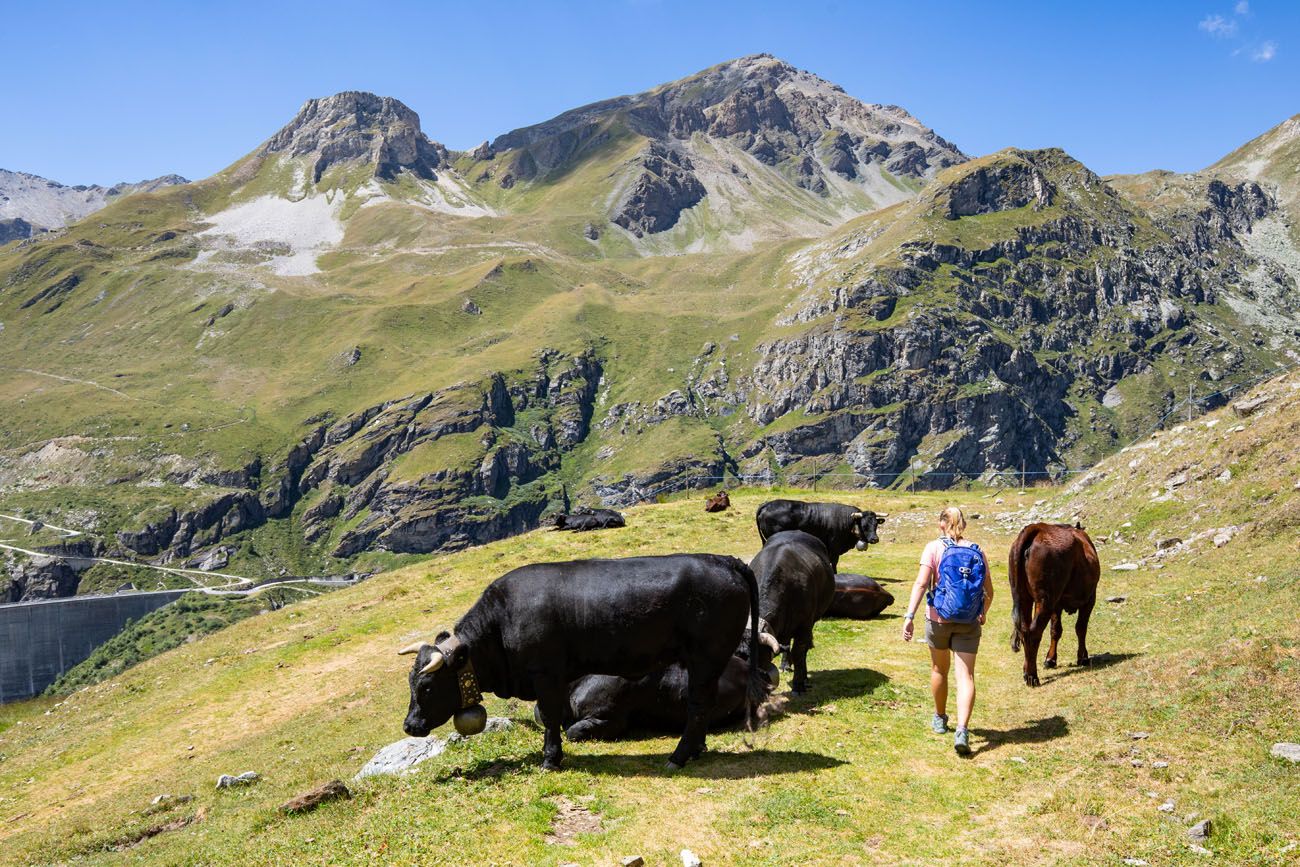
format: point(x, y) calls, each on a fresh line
point(1053, 568)
point(719, 502)
point(858, 597)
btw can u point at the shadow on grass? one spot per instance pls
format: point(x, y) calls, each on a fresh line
point(828, 685)
point(1099, 661)
point(1036, 732)
point(714, 766)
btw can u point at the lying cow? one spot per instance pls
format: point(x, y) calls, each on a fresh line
point(795, 586)
point(839, 527)
point(858, 597)
point(719, 502)
point(604, 707)
point(589, 519)
point(1052, 568)
point(538, 628)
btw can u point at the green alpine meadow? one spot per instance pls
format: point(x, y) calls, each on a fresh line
point(263, 430)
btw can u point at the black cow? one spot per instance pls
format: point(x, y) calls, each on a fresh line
point(795, 586)
point(590, 519)
point(858, 597)
point(538, 628)
point(604, 707)
point(839, 527)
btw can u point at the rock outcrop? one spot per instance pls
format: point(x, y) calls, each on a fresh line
point(359, 126)
point(665, 188)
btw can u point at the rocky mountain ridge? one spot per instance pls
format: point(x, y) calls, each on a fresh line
point(30, 204)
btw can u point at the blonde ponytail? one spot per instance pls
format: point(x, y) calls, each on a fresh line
point(953, 522)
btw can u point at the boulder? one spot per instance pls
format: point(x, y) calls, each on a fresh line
point(401, 756)
point(1290, 752)
point(229, 781)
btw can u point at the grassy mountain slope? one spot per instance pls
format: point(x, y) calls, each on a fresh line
point(305, 694)
point(353, 343)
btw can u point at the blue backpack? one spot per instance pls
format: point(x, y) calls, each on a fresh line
point(958, 594)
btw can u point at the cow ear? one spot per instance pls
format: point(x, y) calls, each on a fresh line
point(880, 519)
point(459, 655)
point(441, 637)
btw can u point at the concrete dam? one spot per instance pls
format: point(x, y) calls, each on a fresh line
point(41, 640)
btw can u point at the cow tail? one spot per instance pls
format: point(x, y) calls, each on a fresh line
point(756, 695)
point(1019, 580)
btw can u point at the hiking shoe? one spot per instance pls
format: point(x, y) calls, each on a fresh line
point(939, 723)
point(961, 742)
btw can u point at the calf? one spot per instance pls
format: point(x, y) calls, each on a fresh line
point(1052, 568)
point(858, 597)
point(590, 519)
point(839, 527)
point(538, 628)
point(795, 586)
point(719, 502)
point(604, 707)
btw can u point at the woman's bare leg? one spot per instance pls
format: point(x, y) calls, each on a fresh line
point(965, 687)
point(939, 661)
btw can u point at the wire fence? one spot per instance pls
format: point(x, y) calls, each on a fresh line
point(916, 475)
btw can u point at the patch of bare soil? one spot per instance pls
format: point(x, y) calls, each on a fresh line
point(571, 820)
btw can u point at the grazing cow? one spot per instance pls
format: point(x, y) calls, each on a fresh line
point(839, 527)
point(589, 519)
point(795, 586)
point(604, 707)
point(719, 502)
point(858, 597)
point(1053, 568)
point(540, 627)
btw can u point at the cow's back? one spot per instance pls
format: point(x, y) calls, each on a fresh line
point(795, 581)
point(621, 616)
point(1057, 564)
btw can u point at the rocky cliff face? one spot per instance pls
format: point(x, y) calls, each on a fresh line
point(355, 126)
point(359, 482)
point(997, 331)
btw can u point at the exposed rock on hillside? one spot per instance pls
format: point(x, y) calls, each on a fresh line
point(772, 110)
point(359, 126)
point(665, 188)
point(962, 353)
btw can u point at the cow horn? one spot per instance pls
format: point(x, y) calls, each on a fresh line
point(413, 648)
point(857, 515)
point(770, 641)
point(435, 663)
point(882, 515)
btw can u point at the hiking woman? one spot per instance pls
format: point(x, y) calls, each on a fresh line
point(954, 576)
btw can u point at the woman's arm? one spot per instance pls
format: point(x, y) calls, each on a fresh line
point(988, 589)
point(918, 589)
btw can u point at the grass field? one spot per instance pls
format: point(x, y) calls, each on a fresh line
point(1203, 656)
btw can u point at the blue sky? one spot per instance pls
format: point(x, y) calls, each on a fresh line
point(103, 92)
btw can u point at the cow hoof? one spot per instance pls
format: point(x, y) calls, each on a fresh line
point(1031, 680)
point(1049, 663)
point(550, 764)
point(1085, 662)
point(670, 765)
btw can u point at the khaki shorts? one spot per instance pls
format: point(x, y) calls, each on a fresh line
point(961, 637)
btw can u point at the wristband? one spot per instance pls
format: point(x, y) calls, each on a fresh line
point(909, 616)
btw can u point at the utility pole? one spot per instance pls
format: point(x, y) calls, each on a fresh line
point(1190, 386)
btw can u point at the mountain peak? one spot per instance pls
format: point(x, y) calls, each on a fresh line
point(355, 125)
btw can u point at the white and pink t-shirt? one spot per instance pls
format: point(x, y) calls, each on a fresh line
point(930, 556)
